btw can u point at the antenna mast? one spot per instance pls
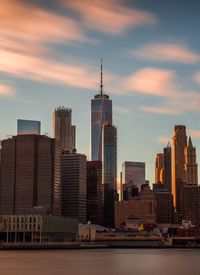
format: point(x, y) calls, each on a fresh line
point(101, 85)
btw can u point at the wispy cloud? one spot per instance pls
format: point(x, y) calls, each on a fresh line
point(45, 70)
point(167, 52)
point(194, 134)
point(122, 110)
point(26, 34)
point(162, 110)
point(151, 81)
point(23, 22)
point(164, 85)
point(6, 90)
point(197, 77)
point(163, 140)
point(110, 16)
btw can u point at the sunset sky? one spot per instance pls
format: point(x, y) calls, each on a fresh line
point(50, 55)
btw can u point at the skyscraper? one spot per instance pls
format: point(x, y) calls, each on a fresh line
point(109, 156)
point(73, 178)
point(95, 195)
point(167, 166)
point(159, 168)
point(28, 127)
point(191, 165)
point(30, 175)
point(109, 161)
point(191, 203)
point(63, 130)
point(133, 172)
point(179, 143)
point(101, 113)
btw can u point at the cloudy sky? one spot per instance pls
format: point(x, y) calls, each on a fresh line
point(50, 55)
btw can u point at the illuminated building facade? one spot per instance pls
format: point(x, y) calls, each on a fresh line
point(191, 164)
point(159, 168)
point(179, 143)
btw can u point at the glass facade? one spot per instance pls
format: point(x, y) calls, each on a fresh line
point(27, 127)
point(109, 139)
point(133, 172)
point(101, 112)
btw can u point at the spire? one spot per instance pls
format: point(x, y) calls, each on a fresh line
point(101, 84)
point(190, 143)
point(168, 144)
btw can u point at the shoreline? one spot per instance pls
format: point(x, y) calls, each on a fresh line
point(84, 246)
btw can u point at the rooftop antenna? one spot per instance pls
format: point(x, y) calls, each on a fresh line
point(101, 85)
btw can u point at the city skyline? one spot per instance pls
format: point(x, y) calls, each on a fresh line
point(48, 74)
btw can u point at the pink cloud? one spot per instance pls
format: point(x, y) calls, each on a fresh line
point(163, 139)
point(168, 52)
point(6, 90)
point(45, 70)
point(197, 78)
point(26, 23)
point(151, 81)
point(109, 16)
point(194, 134)
point(162, 110)
point(164, 84)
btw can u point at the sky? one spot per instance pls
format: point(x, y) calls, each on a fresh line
point(50, 55)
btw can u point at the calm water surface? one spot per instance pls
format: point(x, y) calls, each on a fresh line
point(101, 262)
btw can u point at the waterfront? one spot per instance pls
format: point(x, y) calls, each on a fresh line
point(101, 262)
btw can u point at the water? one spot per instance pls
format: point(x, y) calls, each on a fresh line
point(101, 262)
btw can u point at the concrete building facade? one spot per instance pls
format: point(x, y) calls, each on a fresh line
point(63, 130)
point(30, 175)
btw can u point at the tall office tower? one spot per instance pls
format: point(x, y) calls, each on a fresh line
point(109, 161)
point(95, 195)
point(167, 166)
point(101, 113)
point(191, 165)
point(164, 209)
point(28, 127)
point(109, 156)
point(63, 130)
point(30, 175)
point(73, 179)
point(159, 168)
point(191, 203)
point(179, 143)
point(0, 160)
point(133, 172)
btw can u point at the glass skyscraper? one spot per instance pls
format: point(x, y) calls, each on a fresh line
point(28, 127)
point(109, 156)
point(101, 113)
point(133, 172)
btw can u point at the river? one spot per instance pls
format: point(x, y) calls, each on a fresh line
point(101, 262)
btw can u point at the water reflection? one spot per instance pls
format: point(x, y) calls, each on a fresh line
point(101, 262)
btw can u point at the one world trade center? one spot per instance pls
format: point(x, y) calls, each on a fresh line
point(101, 113)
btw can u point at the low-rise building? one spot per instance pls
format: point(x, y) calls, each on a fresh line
point(142, 207)
point(37, 228)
